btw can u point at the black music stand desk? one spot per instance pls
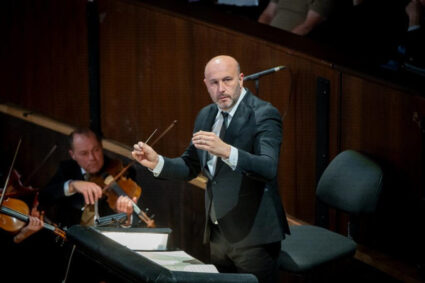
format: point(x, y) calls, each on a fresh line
point(128, 266)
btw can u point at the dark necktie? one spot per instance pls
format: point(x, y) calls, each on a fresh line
point(221, 135)
point(224, 125)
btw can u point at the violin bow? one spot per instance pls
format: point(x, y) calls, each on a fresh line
point(10, 172)
point(142, 215)
point(146, 142)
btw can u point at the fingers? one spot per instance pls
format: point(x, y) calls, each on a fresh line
point(145, 155)
point(138, 151)
point(35, 212)
point(125, 204)
point(205, 140)
point(91, 191)
point(35, 223)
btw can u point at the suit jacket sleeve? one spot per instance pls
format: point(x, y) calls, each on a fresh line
point(54, 192)
point(262, 161)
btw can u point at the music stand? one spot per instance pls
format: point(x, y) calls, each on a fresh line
point(129, 266)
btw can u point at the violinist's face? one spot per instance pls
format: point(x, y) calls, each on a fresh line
point(87, 152)
point(223, 81)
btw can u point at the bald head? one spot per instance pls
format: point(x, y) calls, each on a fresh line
point(224, 61)
point(224, 81)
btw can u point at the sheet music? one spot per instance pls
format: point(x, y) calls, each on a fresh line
point(179, 261)
point(139, 241)
point(208, 268)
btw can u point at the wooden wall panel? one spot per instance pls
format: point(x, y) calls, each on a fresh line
point(380, 122)
point(44, 58)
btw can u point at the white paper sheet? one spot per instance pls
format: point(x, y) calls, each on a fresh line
point(139, 240)
point(179, 261)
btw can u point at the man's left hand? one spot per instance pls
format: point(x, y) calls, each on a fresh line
point(212, 143)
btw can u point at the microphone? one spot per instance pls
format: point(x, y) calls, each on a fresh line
point(263, 73)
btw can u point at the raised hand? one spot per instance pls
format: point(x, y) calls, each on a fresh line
point(145, 155)
point(212, 143)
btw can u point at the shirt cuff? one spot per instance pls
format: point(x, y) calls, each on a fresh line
point(66, 189)
point(158, 169)
point(415, 27)
point(232, 161)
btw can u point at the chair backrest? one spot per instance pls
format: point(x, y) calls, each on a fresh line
point(351, 182)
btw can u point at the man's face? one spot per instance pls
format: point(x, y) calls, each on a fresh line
point(223, 82)
point(87, 152)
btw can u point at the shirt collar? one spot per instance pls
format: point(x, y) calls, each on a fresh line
point(235, 107)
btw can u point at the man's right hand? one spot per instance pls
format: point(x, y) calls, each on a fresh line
point(91, 191)
point(145, 155)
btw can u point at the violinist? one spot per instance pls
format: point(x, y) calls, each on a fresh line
point(72, 191)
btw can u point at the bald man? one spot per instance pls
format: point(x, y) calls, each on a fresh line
point(245, 220)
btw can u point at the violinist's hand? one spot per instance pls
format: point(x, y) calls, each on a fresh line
point(145, 155)
point(212, 143)
point(91, 191)
point(125, 204)
point(34, 225)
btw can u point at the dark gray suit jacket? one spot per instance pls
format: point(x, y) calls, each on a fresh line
point(246, 200)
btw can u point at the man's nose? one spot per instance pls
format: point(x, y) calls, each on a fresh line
point(92, 156)
point(221, 87)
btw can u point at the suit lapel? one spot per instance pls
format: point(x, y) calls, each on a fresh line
point(236, 125)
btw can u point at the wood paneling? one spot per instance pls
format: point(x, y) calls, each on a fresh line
point(44, 58)
point(380, 121)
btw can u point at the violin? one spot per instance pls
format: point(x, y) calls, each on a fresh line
point(14, 216)
point(16, 187)
point(118, 186)
point(14, 212)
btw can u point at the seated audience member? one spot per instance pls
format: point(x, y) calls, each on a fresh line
point(368, 30)
point(299, 16)
point(413, 44)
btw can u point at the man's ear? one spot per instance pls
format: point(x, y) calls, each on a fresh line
point(241, 75)
point(71, 153)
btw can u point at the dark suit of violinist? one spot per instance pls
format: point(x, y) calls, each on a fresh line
point(68, 190)
point(249, 220)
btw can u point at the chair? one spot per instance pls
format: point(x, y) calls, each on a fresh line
point(351, 183)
